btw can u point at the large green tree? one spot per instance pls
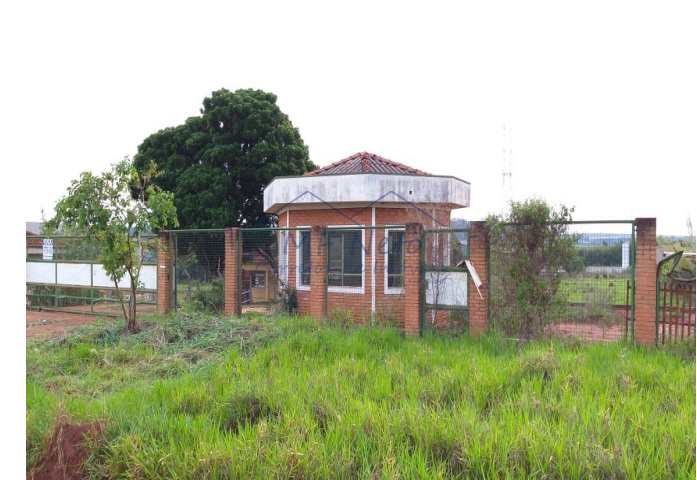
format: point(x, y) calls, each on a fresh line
point(217, 164)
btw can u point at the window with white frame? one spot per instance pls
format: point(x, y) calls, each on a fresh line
point(394, 260)
point(304, 255)
point(345, 258)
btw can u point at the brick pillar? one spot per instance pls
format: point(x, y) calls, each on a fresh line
point(412, 279)
point(233, 271)
point(645, 276)
point(318, 273)
point(479, 256)
point(164, 275)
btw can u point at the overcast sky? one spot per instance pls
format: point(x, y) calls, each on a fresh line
point(600, 96)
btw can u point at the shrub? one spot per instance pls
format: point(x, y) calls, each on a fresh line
point(529, 249)
point(210, 296)
point(289, 300)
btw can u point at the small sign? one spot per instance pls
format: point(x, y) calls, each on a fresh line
point(475, 277)
point(48, 249)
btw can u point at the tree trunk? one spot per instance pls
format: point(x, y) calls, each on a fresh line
point(120, 297)
point(132, 325)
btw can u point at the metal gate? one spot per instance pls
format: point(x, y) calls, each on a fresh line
point(675, 301)
point(444, 280)
point(587, 291)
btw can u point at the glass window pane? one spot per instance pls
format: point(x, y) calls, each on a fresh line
point(305, 257)
point(353, 260)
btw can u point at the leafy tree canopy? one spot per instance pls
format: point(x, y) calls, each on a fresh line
point(218, 164)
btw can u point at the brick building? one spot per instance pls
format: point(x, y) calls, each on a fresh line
point(352, 215)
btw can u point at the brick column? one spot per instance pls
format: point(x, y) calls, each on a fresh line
point(164, 274)
point(479, 256)
point(233, 271)
point(318, 273)
point(645, 276)
point(412, 279)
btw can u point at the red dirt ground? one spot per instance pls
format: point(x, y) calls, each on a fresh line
point(49, 324)
point(66, 452)
point(588, 331)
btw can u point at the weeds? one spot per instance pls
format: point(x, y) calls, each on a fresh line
point(205, 397)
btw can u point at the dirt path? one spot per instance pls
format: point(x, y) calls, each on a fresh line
point(48, 324)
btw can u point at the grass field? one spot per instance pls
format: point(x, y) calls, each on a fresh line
point(603, 291)
point(201, 397)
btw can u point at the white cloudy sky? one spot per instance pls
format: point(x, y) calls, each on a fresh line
point(600, 95)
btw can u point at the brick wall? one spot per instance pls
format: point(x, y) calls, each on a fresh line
point(233, 271)
point(412, 280)
point(318, 275)
point(645, 306)
point(389, 307)
point(164, 275)
point(478, 252)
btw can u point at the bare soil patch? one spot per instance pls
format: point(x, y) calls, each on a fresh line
point(67, 450)
point(48, 324)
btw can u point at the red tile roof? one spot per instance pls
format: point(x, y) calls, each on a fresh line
point(364, 162)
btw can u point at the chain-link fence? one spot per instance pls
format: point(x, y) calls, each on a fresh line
point(265, 268)
point(199, 265)
point(64, 273)
point(566, 280)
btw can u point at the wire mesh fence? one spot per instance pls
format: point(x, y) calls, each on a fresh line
point(445, 280)
point(265, 267)
point(572, 280)
point(199, 265)
point(64, 273)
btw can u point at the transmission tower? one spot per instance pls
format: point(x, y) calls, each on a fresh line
point(506, 169)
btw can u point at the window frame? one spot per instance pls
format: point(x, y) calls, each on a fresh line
point(357, 290)
point(298, 257)
point(385, 255)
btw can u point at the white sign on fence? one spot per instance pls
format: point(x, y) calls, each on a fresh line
point(48, 249)
point(475, 277)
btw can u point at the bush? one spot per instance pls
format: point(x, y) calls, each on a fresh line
point(209, 297)
point(289, 300)
point(529, 249)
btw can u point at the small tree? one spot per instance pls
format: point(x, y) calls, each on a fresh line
point(106, 210)
point(530, 248)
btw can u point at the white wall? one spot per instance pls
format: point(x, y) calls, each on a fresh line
point(85, 275)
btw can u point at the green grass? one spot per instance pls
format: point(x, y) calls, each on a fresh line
point(604, 291)
point(200, 397)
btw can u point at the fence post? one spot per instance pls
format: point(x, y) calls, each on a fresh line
point(478, 307)
point(318, 274)
point(233, 271)
point(412, 279)
point(645, 282)
point(164, 274)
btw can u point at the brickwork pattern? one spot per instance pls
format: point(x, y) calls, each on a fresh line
point(318, 275)
point(389, 307)
point(645, 306)
point(233, 271)
point(478, 252)
point(164, 275)
point(412, 280)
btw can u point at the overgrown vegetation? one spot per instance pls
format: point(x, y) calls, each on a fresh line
point(530, 247)
point(205, 397)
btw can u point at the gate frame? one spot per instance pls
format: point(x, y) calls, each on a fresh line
point(630, 321)
point(424, 267)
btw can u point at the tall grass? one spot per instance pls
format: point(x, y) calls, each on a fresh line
point(292, 400)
